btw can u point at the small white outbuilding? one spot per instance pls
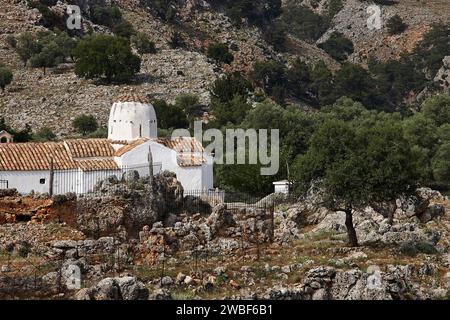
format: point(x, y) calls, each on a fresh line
point(282, 186)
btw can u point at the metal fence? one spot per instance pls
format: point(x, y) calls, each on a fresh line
point(4, 184)
point(100, 182)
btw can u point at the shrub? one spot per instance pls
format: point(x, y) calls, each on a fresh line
point(24, 249)
point(302, 22)
point(396, 25)
point(338, 46)
point(101, 132)
point(143, 44)
point(412, 249)
point(165, 9)
point(106, 16)
point(170, 116)
point(220, 53)
point(190, 104)
point(124, 29)
point(49, 57)
point(276, 35)
point(44, 134)
point(107, 57)
point(27, 45)
point(225, 88)
point(85, 124)
point(177, 40)
point(6, 77)
point(11, 40)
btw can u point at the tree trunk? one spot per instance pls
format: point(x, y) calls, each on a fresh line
point(391, 217)
point(352, 239)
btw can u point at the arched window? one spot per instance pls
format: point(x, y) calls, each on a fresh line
point(3, 140)
point(140, 131)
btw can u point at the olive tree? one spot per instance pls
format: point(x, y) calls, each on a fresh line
point(355, 166)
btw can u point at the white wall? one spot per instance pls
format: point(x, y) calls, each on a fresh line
point(25, 181)
point(281, 188)
point(132, 120)
point(91, 178)
point(192, 178)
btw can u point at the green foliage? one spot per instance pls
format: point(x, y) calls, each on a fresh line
point(27, 45)
point(412, 249)
point(322, 85)
point(190, 104)
point(338, 46)
point(299, 79)
point(44, 134)
point(269, 74)
point(45, 49)
point(355, 82)
point(6, 77)
point(421, 133)
point(257, 12)
point(345, 109)
point(4, 125)
point(334, 7)
point(302, 22)
point(441, 164)
point(165, 9)
point(396, 25)
point(220, 53)
point(123, 29)
point(24, 249)
point(395, 79)
point(100, 132)
point(143, 43)
point(232, 111)
point(356, 166)
point(106, 15)
point(49, 57)
point(170, 116)
point(107, 57)
point(432, 49)
point(49, 19)
point(11, 40)
point(24, 135)
point(225, 88)
point(437, 108)
point(85, 124)
point(276, 34)
point(177, 40)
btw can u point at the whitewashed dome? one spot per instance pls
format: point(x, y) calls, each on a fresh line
point(132, 117)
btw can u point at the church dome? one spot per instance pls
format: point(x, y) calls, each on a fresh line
point(132, 117)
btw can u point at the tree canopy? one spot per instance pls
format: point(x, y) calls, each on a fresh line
point(106, 57)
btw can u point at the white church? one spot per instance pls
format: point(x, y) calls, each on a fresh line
point(77, 164)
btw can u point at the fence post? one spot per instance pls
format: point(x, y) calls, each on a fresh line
point(52, 172)
point(150, 165)
point(163, 255)
point(256, 238)
point(272, 224)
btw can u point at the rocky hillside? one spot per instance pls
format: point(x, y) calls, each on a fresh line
point(55, 99)
point(126, 247)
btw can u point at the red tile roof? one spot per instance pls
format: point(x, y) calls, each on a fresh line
point(190, 160)
point(89, 148)
point(34, 156)
point(97, 164)
point(181, 144)
point(130, 146)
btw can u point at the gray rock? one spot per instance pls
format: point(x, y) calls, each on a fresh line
point(166, 281)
